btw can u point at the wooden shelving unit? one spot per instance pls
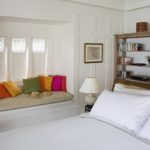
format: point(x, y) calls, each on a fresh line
point(123, 38)
point(133, 82)
point(133, 35)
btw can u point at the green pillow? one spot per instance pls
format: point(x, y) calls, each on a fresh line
point(31, 85)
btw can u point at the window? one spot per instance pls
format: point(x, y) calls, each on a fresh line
point(22, 59)
point(18, 45)
point(38, 45)
point(1, 44)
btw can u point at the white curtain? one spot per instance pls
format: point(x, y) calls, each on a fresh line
point(17, 65)
point(3, 66)
point(38, 64)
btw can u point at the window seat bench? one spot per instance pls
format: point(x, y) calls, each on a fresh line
point(27, 100)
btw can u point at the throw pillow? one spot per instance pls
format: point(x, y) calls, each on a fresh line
point(31, 85)
point(42, 83)
point(12, 88)
point(63, 86)
point(56, 84)
point(48, 83)
point(3, 91)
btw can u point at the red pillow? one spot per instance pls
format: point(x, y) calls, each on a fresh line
point(56, 83)
point(63, 86)
point(3, 91)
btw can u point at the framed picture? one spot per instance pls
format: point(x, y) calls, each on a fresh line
point(93, 53)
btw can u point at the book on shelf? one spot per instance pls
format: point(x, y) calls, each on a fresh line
point(124, 74)
point(125, 60)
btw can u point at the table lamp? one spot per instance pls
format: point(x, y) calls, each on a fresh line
point(90, 86)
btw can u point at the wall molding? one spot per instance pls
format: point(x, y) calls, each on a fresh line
point(136, 4)
point(113, 4)
point(124, 5)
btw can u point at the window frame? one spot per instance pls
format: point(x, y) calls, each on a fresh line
point(15, 37)
point(38, 38)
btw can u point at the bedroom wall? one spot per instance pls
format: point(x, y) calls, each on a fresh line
point(137, 15)
point(90, 24)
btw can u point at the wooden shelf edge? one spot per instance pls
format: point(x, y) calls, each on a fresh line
point(146, 66)
point(133, 35)
point(141, 84)
point(144, 51)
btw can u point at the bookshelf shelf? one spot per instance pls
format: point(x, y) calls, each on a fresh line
point(127, 57)
point(147, 66)
point(145, 51)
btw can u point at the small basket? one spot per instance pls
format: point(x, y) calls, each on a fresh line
point(141, 27)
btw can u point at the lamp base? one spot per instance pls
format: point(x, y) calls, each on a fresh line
point(90, 99)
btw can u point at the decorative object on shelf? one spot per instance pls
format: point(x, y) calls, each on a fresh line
point(93, 52)
point(125, 60)
point(90, 86)
point(134, 47)
point(141, 27)
point(148, 59)
point(124, 74)
point(140, 77)
point(122, 44)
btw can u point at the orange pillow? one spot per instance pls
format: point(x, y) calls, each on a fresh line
point(12, 88)
point(42, 83)
point(3, 91)
point(48, 83)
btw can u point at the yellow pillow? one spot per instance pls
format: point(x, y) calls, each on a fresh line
point(48, 83)
point(12, 88)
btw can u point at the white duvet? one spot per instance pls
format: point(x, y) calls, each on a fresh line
point(75, 133)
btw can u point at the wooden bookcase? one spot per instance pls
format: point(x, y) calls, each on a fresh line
point(126, 71)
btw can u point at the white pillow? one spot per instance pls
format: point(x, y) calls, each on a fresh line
point(145, 131)
point(121, 88)
point(128, 112)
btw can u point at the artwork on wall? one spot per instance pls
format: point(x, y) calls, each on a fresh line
point(93, 53)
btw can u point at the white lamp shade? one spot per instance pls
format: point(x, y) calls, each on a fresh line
point(90, 85)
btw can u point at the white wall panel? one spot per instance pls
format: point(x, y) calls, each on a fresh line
point(116, 26)
point(103, 30)
point(101, 25)
point(85, 24)
point(66, 52)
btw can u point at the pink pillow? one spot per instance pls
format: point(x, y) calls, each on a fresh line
point(63, 86)
point(56, 83)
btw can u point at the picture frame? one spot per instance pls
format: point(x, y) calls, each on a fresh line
point(93, 52)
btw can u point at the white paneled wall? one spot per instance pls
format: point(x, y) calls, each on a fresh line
point(97, 29)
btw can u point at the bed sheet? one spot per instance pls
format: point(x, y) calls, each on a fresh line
point(76, 133)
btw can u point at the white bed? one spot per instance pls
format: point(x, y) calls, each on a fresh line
point(77, 133)
point(117, 121)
